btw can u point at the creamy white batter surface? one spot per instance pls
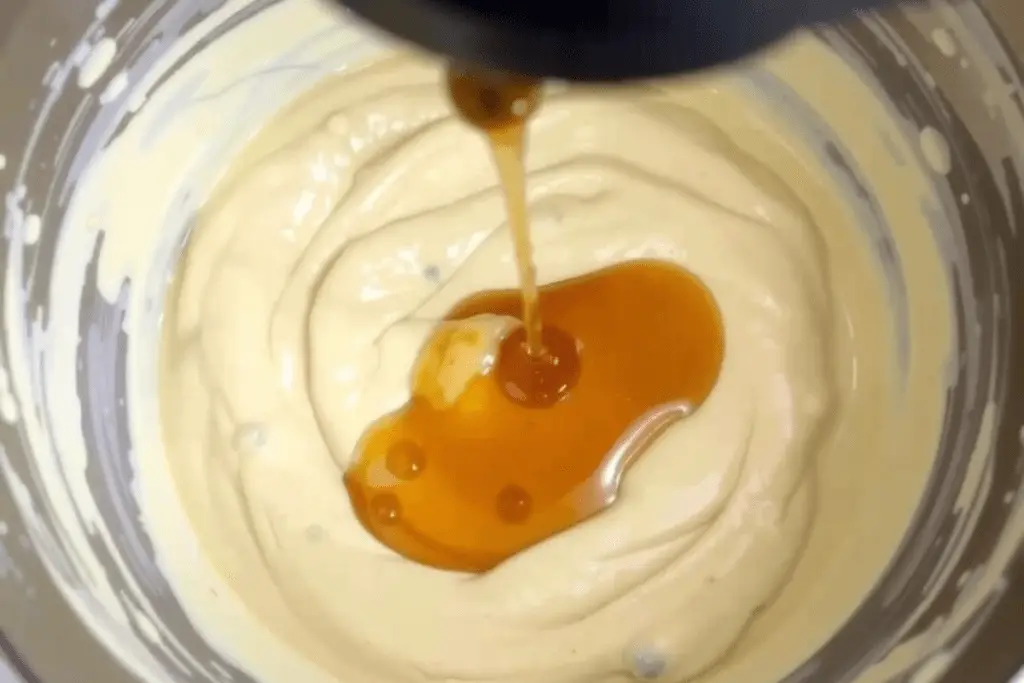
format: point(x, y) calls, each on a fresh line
point(310, 284)
point(361, 213)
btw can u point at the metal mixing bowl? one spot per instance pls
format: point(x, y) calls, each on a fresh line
point(970, 525)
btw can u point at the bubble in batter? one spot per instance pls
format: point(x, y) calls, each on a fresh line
point(464, 478)
point(646, 663)
point(249, 438)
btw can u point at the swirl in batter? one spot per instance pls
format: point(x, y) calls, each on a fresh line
point(320, 266)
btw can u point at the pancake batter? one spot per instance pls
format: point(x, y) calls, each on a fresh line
point(361, 213)
point(315, 274)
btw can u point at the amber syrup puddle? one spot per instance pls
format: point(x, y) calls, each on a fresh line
point(477, 467)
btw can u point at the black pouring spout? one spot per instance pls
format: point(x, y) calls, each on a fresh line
point(598, 40)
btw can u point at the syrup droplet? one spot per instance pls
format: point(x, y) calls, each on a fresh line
point(638, 345)
point(514, 504)
point(386, 509)
point(405, 460)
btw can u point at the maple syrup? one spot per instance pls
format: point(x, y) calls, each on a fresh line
point(499, 105)
point(485, 461)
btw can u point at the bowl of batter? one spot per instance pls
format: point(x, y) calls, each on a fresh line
point(235, 234)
